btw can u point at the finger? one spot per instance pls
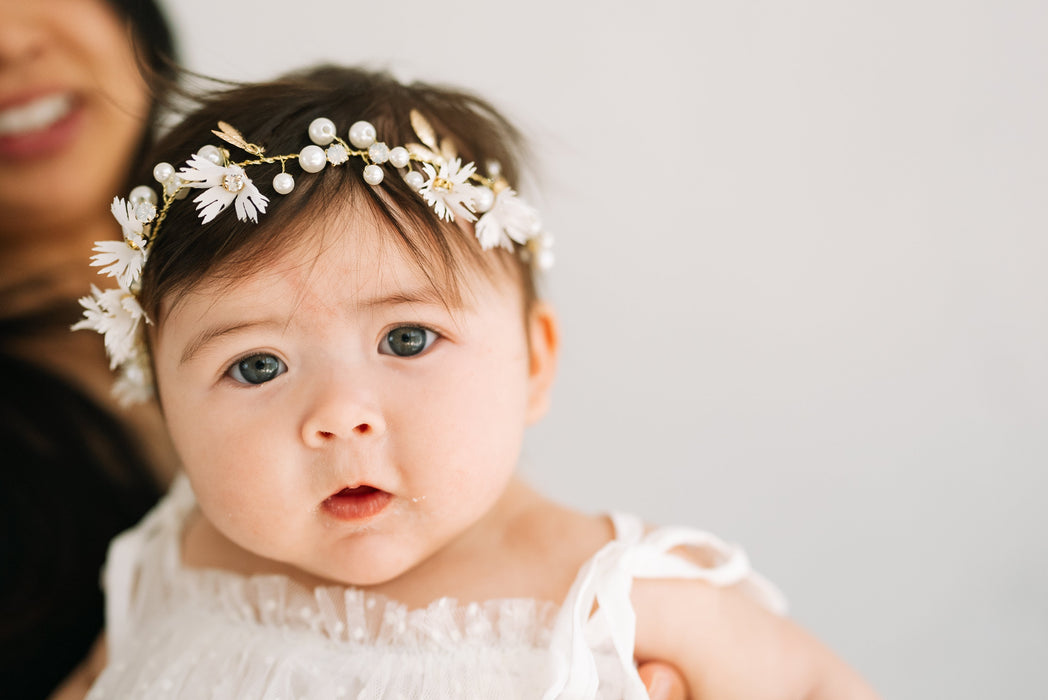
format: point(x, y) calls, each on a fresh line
point(663, 681)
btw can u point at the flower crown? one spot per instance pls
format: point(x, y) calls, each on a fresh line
point(449, 187)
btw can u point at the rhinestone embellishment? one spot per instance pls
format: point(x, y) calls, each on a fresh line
point(233, 182)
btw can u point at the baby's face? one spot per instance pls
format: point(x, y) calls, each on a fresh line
point(332, 414)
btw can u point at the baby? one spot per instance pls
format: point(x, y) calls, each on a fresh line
point(347, 343)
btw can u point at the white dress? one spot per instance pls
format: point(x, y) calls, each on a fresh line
point(177, 632)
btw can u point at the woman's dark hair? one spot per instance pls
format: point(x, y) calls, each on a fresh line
point(73, 476)
point(156, 52)
point(276, 115)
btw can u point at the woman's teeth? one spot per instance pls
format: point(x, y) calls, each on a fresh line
point(36, 115)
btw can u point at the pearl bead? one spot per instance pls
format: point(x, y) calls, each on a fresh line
point(362, 134)
point(483, 199)
point(283, 183)
point(378, 152)
point(414, 179)
point(142, 193)
point(322, 131)
point(399, 157)
point(162, 172)
point(373, 174)
point(312, 159)
point(211, 153)
point(494, 168)
point(175, 187)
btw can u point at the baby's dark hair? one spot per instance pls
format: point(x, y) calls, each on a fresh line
point(276, 115)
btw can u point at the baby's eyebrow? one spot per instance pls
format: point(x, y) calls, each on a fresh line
point(422, 295)
point(208, 335)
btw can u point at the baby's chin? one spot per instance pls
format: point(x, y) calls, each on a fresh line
point(372, 562)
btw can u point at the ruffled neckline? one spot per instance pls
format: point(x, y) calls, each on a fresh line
point(345, 614)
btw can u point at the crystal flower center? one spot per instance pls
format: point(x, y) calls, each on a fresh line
point(233, 182)
point(440, 183)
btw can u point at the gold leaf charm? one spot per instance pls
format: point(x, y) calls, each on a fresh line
point(425, 132)
point(422, 153)
point(230, 135)
point(448, 150)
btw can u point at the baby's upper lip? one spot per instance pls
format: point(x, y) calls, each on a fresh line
point(355, 489)
point(351, 490)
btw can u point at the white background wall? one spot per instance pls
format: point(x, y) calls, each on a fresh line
point(801, 276)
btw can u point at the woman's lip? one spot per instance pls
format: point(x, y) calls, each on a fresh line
point(354, 504)
point(40, 126)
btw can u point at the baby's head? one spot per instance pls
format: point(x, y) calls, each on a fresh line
point(347, 380)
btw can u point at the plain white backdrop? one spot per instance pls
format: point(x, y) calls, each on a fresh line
point(801, 274)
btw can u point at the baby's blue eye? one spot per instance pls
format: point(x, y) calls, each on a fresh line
point(406, 341)
point(257, 369)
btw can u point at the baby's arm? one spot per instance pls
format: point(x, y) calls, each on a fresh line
point(729, 647)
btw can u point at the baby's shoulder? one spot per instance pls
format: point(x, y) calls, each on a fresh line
point(558, 541)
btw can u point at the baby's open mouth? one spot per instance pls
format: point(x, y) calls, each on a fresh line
point(358, 503)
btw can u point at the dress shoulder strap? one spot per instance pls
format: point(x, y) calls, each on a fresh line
point(628, 527)
point(605, 581)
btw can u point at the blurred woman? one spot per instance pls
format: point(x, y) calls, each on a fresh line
point(74, 113)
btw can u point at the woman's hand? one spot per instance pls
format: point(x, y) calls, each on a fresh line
point(663, 681)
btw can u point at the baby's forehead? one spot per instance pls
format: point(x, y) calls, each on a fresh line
point(344, 257)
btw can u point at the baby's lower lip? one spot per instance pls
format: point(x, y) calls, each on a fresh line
point(357, 503)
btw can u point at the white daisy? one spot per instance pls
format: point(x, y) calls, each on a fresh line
point(134, 382)
point(448, 191)
point(508, 220)
point(115, 314)
point(118, 259)
point(226, 185)
point(124, 213)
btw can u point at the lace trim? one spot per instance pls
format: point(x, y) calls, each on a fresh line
point(356, 617)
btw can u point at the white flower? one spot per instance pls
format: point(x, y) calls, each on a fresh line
point(509, 219)
point(117, 315)
point(226, 185)
point(124, 213)
point(118, 259)
point(134, 382)
point(448, 192)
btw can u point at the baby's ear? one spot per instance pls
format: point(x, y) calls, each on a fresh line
point(544, 344)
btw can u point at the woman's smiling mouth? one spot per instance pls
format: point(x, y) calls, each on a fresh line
point(38, 127)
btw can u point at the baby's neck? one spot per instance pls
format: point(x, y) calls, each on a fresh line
point(525, 547)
